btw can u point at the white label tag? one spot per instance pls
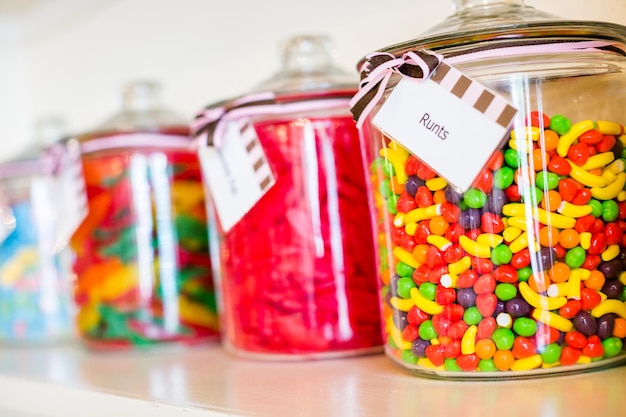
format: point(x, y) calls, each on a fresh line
point(70, 193)
point(450, 122)
point(237, 172)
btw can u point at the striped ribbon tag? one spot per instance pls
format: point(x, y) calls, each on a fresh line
point(449, 121)
point(237, 172)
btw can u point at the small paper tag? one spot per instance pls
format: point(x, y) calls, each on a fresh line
point(237, 172)
point(452, 123)
point(71, 195)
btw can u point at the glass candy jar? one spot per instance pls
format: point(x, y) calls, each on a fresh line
point(142, 261)
point(292, 252)
point(36, 304)
point(496, 143)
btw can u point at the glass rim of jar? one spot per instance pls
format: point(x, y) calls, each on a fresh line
point(531, 31)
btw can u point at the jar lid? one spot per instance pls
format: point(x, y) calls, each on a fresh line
point(308, 81)
point(503, 23)
point(307, 65)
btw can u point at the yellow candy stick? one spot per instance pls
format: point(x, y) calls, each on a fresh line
point(609, 128)
point(526, 364)
point(575, 131)
point(540, 301)
point(424, 304)
point(574, 210)
point(553, 320)
point(610, 306)
point(474, 248)
point(439, 241)
point(406, 257)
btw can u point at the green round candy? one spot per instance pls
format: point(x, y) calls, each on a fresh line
point(503, 338)
point(404, 270)
point(474, 198)
point(524, 326)
point(524, 273)
point(391, 204)
point(560, 124)
point(546, 180)
point(404, 287)
point(505, 291)
point(501, 254)
point(427, 331)
point(623, 295)
point(487, 365)
point(428, 290)
point(450, 365)
point(503, 178)
point(462, 205)
point(551, 353)
point(612, 346)
point(385, 189)
point(610, 210)
point(511, 158)
point(596, 207)
point(472, 315)
point(384, 165)
point(408, 357)
point(533, 195)
point(575, 257)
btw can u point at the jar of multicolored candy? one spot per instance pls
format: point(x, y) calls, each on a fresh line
point(36, 305)
point(495, 149)
point(293, 254)
point(142, 260)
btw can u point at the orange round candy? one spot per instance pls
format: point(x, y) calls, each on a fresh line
point(485, 348)
point(503, 359)
point(569, 238)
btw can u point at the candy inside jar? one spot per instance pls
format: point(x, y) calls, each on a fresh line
point(519, 274)
point(295, 267)
point(142, 260)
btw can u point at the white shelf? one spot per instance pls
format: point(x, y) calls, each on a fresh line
point(69, 381)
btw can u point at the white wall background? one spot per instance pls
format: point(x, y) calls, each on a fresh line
point(69, 58)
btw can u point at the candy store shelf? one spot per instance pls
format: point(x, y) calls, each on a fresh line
point(69, 381)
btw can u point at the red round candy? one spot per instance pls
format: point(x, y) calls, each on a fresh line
point(453, 349)
point(575, 339)
point(467, 279)
point(416, 316)
point(441, 324)
point(582, 197)
point(559, 165)
point(594, 348)
point(506, 273)
point(485, 284)
point(450, 212)
point(410, 332)
point(578, 153)
point(484, 181)
point(613, 233)
point(468, 363)
point(445, 296)
point(606, 144)
point(523, 347)
point(520, 259)
point(457, 330)
point(538, 119)
point(590, 137)
point(486, 327)
point(589, 298)
point(486, 304)
point(436, 354)
point(423, 197)
point(453, 312)
point(482, 265)
point(567, 189)
point(570, 309)
point(453, 254)
point(491, 223)
point(569, 356)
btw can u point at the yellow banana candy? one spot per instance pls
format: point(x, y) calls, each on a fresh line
point(528, 132)
point(468, 341)
point(474, 248)
point(406, 257)
point(436, 184)
point(402, 304)
point(424, 304)
point(575, 131)
point(422, 213)
point(553, 320)
point(526, 364)
point(489, 239)
point(439, 241)
point(610, 191)
point(460, 266)
point(396, 336)
point(599, 160)
point(540, 301)
point(574, 210)
point(398, 160)
point(587, 178)
point(610, 306)
point(551, 219)
point(519, 222)
point(609, 128)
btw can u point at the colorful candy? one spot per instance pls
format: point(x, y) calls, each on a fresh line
point(142, 259)
point(35, 279)
point(539, 252)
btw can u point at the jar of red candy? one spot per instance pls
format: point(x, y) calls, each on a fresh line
point(293, 254)
point(36, 304)
point(495, 144)
point(142, 261)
